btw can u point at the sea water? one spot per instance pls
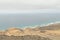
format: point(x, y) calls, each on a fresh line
point(27, 20)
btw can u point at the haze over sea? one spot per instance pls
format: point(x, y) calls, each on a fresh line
point(28, 13)
point(23, 20)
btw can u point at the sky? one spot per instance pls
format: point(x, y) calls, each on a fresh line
point(27, 6)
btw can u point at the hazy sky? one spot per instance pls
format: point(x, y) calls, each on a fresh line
point(25, 6)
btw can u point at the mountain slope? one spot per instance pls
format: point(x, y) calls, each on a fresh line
point(26, 37)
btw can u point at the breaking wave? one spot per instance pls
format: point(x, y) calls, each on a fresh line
point(51, 23)
point(42, 25)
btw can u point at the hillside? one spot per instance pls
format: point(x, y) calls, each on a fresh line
point(50, 32)
point(26, 37)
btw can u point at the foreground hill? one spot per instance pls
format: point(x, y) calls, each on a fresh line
point(49, 32)
point(26, 37)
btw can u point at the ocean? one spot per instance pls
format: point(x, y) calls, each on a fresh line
point(27, 20)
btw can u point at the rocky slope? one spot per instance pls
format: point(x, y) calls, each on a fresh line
point(50, 32)
point(26, 37)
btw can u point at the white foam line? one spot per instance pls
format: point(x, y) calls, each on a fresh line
point(50, 23)
point(42, 25)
